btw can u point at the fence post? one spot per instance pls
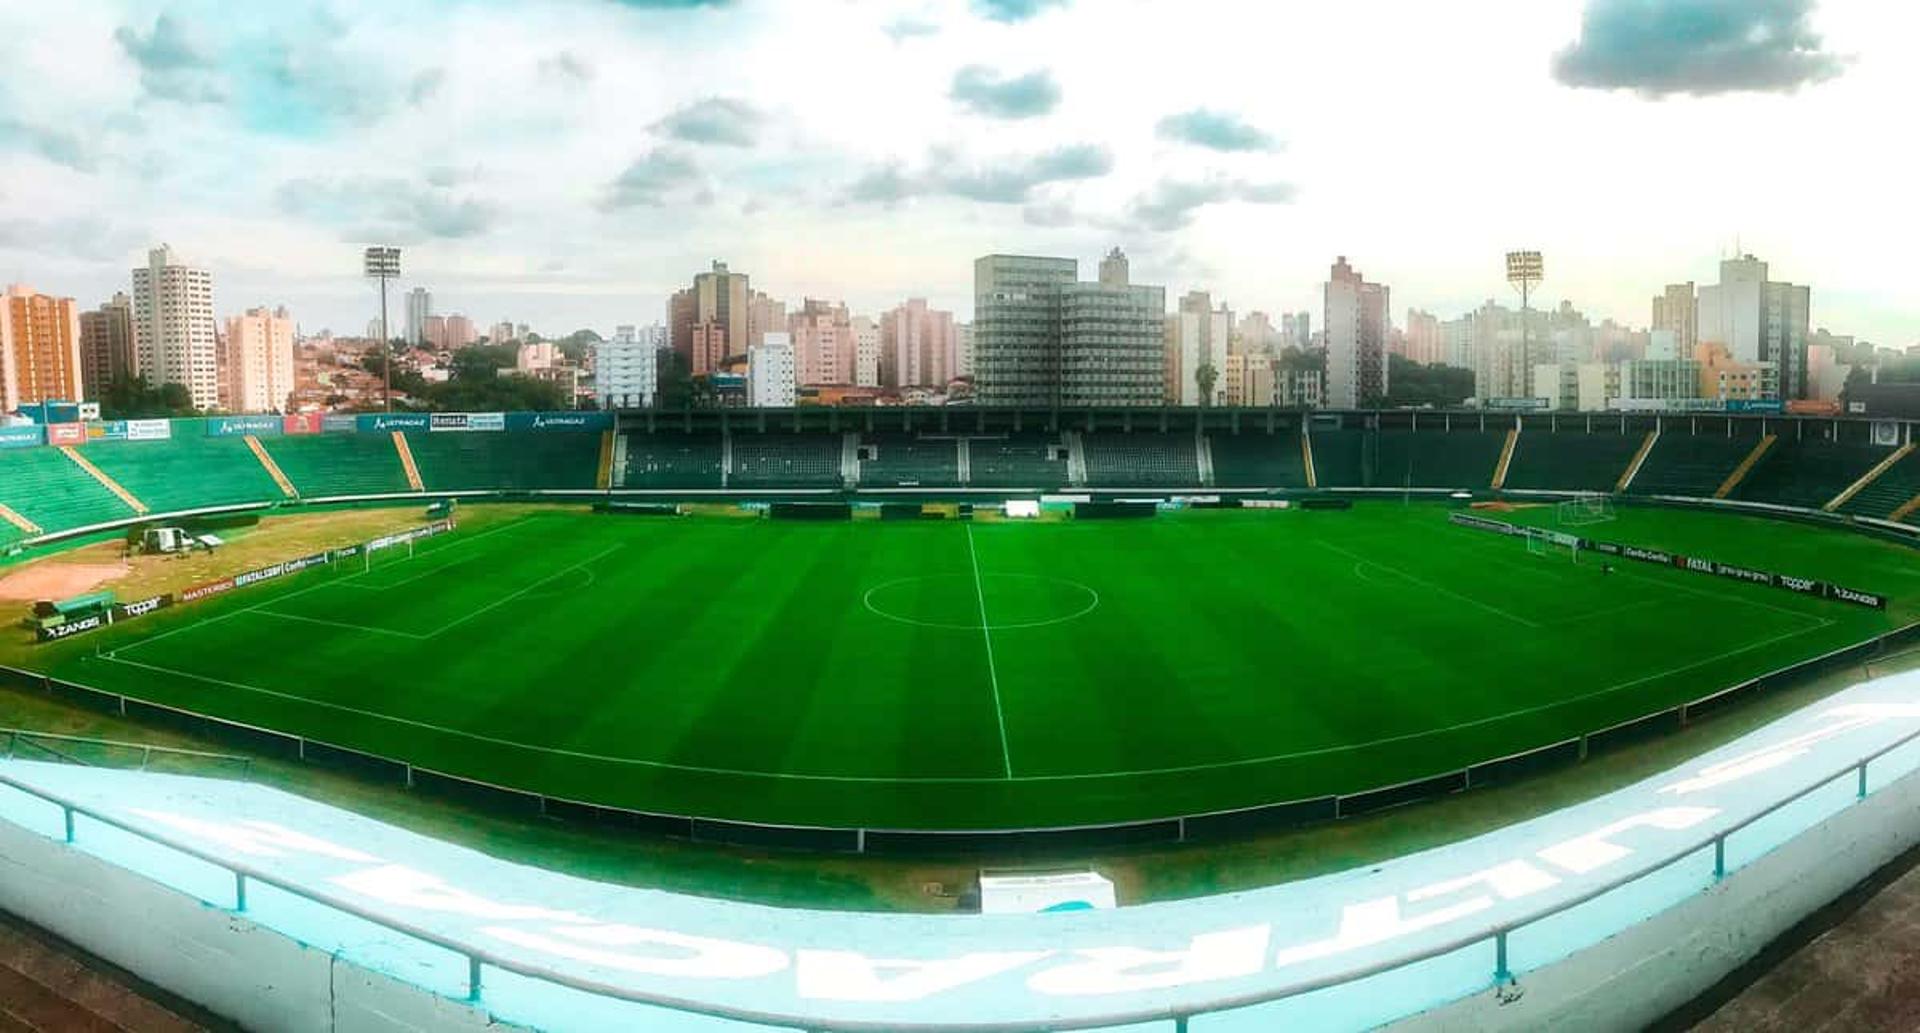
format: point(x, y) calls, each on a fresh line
point(1863, 780)
point(1501, 974)
point(68, 811)
point(1719, 858)
point(473, 978)
point(239, 891)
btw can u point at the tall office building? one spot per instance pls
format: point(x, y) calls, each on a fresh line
point(175, 339)
point(627, 367)
point(918, 346)
point(710, 321)
point(1677, 309)
point(260, 360)
point(1759, 321)
point(1356, 324)
point(1040, 337)
point(106, 346)
point(824, 350)
point(771, 373)
point(39, 349)
point(419, 310)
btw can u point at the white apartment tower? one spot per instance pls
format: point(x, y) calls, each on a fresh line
point(260, 360)
point(771, 382)
point(627, 367)
point(419, 308)
point(175, 340)
point(1355, 321)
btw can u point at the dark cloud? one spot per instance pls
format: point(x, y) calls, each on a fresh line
point(652, 179)
point(1009, 180)
point(1216, 130)
point(567, 67)
point(986, 92)
point(907, 27)
point(1012, 10)
point(1172, 203)
point(381, 208)
point(174, 63)
point(722, 121)
point(1661, 47)
point(59, 146)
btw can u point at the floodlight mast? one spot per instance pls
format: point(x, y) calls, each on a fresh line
point(1525, 270)
point(383, 264)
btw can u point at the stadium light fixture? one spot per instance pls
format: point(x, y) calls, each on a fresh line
point(383, 264)
point(1525, 270)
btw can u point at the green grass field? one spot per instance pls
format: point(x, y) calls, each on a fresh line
point(994, 675)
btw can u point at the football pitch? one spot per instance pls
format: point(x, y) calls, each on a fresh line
point(951, 675)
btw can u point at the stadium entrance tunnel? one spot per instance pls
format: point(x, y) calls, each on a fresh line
point(993, 602)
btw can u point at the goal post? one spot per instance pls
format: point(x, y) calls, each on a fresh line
point(1584, 509)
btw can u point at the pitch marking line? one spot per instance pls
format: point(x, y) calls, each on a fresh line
point(943, 780)
point(368, 628)
point(510, 597)
point(1430, 586)
point(986, 633)
point(431, 571)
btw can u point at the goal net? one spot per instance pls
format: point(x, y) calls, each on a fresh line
point(1584, 509)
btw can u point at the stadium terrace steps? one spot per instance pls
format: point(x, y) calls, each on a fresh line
point(22, 523)
point(1759, 452)
point(1339, 457)
point(603, 473)
point(272, 468)
point(1808, 473)
point(1434, 458)
point(46, 987)
point(1257, 459)
point(908, 461)
point(1570, 460)
point(1019, 460)
point(407, 463)
point(1689, 464)
point(1505, 464)
point(1124, 460)
point(670, 460)
point(493, 460)
point(323, 466)
point(1893, 495)
point(774, 460)
point(1868, 478)
point(106, 482)
point(1639, 460)
point(190, 472)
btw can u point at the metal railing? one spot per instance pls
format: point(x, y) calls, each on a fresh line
point(479, 959)
point(64, 747)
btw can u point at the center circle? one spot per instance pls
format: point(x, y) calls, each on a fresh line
point(959, 601)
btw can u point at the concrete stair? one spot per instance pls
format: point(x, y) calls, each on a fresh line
point(47, 988)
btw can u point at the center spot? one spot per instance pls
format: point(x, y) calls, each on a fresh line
point(953, 601)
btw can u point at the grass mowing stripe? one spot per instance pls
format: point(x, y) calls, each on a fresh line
point(457, 542)
point(986, 634)
point(505, 599)
point(1430, 586)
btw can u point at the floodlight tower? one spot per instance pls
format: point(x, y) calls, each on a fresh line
point(383, 264)
point(1525, 270)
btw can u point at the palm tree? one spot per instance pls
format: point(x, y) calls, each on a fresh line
point(1204, 377)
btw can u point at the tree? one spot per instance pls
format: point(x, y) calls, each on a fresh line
point(1411, 384)
point(132, 399)
point(1204, 378)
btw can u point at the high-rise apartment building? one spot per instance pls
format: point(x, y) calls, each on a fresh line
point(866, 352)
point(771, 373)
point(1256, 335)
point(1356, 324)
point(259, 360)
point(824, 349)
point(175, 339)
point(1197, 340)
point(1677, 309)
point(764, 315)
point(501, 333)
point(39, 349)
point(1040, 337)
point(627, 367)
point(1423, 340)
point(106, 346)
point(419, 310)
point(460, 331)
point(918, 346)
point(963, 350)
point(1759, 321)
point(709, 322)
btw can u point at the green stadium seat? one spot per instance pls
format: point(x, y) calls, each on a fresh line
point(786, 461)
point(44, 486)
point(670, 460)
point(1016, 461)
point(1339, 457)
point(1140, 460)
point(1894, 487)
point(190, 471)
point(906, 460)
point(1571, 460)
point(332, 465)
point(496, 461)
point(1690, 464)
point(1435, 458)
point(1256, 459)
point(1807, 473)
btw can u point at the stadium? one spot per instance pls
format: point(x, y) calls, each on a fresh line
point(889, 642)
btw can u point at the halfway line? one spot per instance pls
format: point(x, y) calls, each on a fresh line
point(986, 632)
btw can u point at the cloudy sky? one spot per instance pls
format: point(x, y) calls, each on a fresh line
point(569, 162)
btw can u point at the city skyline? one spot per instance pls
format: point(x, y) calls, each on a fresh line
point(270, 145)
